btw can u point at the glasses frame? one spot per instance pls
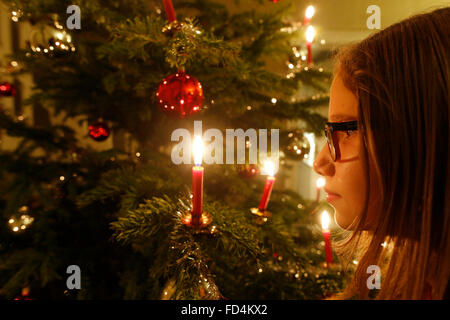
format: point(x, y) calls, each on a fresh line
point(330, 133)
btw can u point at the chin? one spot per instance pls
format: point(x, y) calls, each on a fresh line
point(342, 221)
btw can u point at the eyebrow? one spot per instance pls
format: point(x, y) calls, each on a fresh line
point(342, 117)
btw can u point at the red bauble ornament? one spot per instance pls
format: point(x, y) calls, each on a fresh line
point(248, 170)
point(99, 131)
point(180, 94)
point(7, 89)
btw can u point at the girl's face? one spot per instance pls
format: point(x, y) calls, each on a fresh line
point(345, 179)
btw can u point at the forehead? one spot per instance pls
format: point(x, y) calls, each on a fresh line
point(343, 103)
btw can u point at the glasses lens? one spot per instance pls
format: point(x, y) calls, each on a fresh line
point(330, 142)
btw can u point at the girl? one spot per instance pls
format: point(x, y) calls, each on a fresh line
point(386, 163)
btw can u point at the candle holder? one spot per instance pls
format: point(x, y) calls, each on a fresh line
point(200, 227)
point(171, 27)
point(262, 216)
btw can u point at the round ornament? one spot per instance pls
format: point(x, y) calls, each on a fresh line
point(180, 94)
point(7, 89)
point(99, 131)
point(52, 41)
point(248, 170)
point(297, 145)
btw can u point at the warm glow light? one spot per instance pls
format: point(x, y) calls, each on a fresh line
point(320, 182)
point(310, 34)
point(310, 12)
point(198, 150)
point(325, 220)
point(269, 168)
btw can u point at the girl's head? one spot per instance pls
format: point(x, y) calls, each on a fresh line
point(392, 174)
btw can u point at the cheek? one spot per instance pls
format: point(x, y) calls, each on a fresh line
point(351, 182)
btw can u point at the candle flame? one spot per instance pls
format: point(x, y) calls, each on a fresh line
point(325, 220)
point(269, 168)
point(310, 34)
point(320, 182)
point(310, 12)
point(198, 150)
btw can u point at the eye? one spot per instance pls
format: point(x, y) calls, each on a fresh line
point(350, 132)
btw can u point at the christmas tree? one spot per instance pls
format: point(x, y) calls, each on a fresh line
point(126, 215)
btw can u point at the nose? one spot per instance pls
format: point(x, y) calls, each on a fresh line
point(323, 164)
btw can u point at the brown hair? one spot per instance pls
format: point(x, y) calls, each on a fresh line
point(400, 76)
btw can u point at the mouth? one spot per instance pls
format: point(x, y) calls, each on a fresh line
point(331, 195)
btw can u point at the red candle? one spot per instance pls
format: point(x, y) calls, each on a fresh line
point(266, 193)
point(308, 46)
point(319, 184)
point(197, 194)
point(326, 237)
point(269, 169)
point(310, 33)
point(170, 11)
point(197, 182)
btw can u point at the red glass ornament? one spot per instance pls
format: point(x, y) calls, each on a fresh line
point(248, 170)
point(7, 89)
point(180, 94)
point(99, 131)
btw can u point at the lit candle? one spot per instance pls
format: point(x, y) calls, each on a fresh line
point(319, 183)
point(170, 11)
point(197, 182)
point(268, 186)
point(309, 13)
point(326, 237)
point(310, 34)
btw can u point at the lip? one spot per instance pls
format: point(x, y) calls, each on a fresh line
point(331, 196)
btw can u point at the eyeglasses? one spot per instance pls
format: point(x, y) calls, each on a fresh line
point(338, 138)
